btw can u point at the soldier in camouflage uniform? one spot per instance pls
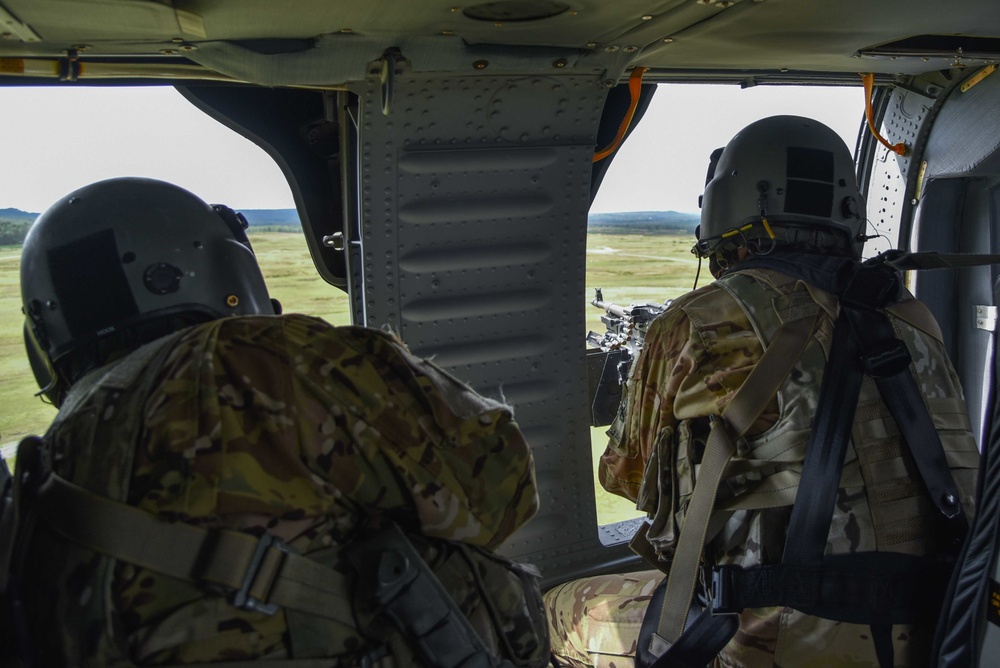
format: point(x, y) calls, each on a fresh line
point(699, 353)
point(275, 426)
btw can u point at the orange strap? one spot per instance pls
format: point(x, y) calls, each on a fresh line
point(869, 81)
point(634, 88)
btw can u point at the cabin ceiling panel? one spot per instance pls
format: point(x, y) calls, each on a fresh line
point(290, 43)
point(59, 22)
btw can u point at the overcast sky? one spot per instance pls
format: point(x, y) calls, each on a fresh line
point(54, 140)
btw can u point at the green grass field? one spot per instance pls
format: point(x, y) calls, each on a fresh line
point(630, 268)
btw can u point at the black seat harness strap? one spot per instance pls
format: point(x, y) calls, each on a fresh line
point(866, 343)
point(809, 526)
point(904, 261)
point(878, 589)
point(902, 396)
point(703, 638)
point(862, 588)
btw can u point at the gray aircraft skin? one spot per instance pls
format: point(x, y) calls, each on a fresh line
point(500, 105)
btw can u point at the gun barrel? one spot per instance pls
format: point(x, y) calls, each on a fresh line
point(612, 309)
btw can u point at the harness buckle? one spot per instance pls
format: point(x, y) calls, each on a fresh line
point(868, 286)
point(887, 360)
point(722, 600)
point(242, 597)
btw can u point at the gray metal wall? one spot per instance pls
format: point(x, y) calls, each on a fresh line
point(956, 212)
point(473, 201)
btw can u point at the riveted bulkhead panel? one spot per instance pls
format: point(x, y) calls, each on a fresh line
point(474, 192)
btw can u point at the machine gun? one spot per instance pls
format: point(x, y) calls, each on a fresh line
point(608, 364)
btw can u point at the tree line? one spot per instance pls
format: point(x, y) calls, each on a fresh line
point(13, 232)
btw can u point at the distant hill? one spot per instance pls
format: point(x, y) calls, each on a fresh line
point(643, 222)
point(14, 223)
point(17, 216)
point(254, 216)
point(629, 222)
point(271, 217)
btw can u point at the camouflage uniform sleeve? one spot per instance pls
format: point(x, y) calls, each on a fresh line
point(647, 407)
point(696, 355)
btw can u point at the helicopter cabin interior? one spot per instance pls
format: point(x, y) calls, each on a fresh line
point(442, 162)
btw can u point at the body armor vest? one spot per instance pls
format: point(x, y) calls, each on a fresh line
point(887, 532)
point(881, 505)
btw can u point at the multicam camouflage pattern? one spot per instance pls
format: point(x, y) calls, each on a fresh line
point(289, 426)
point(595, 621)
point(787, 638)
point(696, 355)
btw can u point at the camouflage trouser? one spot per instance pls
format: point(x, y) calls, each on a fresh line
point(594, 623)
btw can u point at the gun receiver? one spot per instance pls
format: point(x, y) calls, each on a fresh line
point(621, 342)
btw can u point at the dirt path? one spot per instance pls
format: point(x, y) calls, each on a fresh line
point(606, 250)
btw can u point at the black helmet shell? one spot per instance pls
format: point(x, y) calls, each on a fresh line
point(119, 252)
point(796, 171)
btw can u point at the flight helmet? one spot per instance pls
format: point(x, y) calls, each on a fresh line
point(782, 180)
point(123, 261)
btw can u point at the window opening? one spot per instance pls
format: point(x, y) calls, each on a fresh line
point(58, 139)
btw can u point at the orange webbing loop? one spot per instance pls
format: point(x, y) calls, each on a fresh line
point(634, 88)
point(869, 81)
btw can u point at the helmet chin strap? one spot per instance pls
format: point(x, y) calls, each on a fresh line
point(738, 237)
point(753, 245)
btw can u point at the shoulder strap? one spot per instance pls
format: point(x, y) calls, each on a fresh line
point(264, 574)
point(260, 573)
point(916, 313)
point(827, 448)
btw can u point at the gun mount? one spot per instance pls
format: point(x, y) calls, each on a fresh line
point(614, 350)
